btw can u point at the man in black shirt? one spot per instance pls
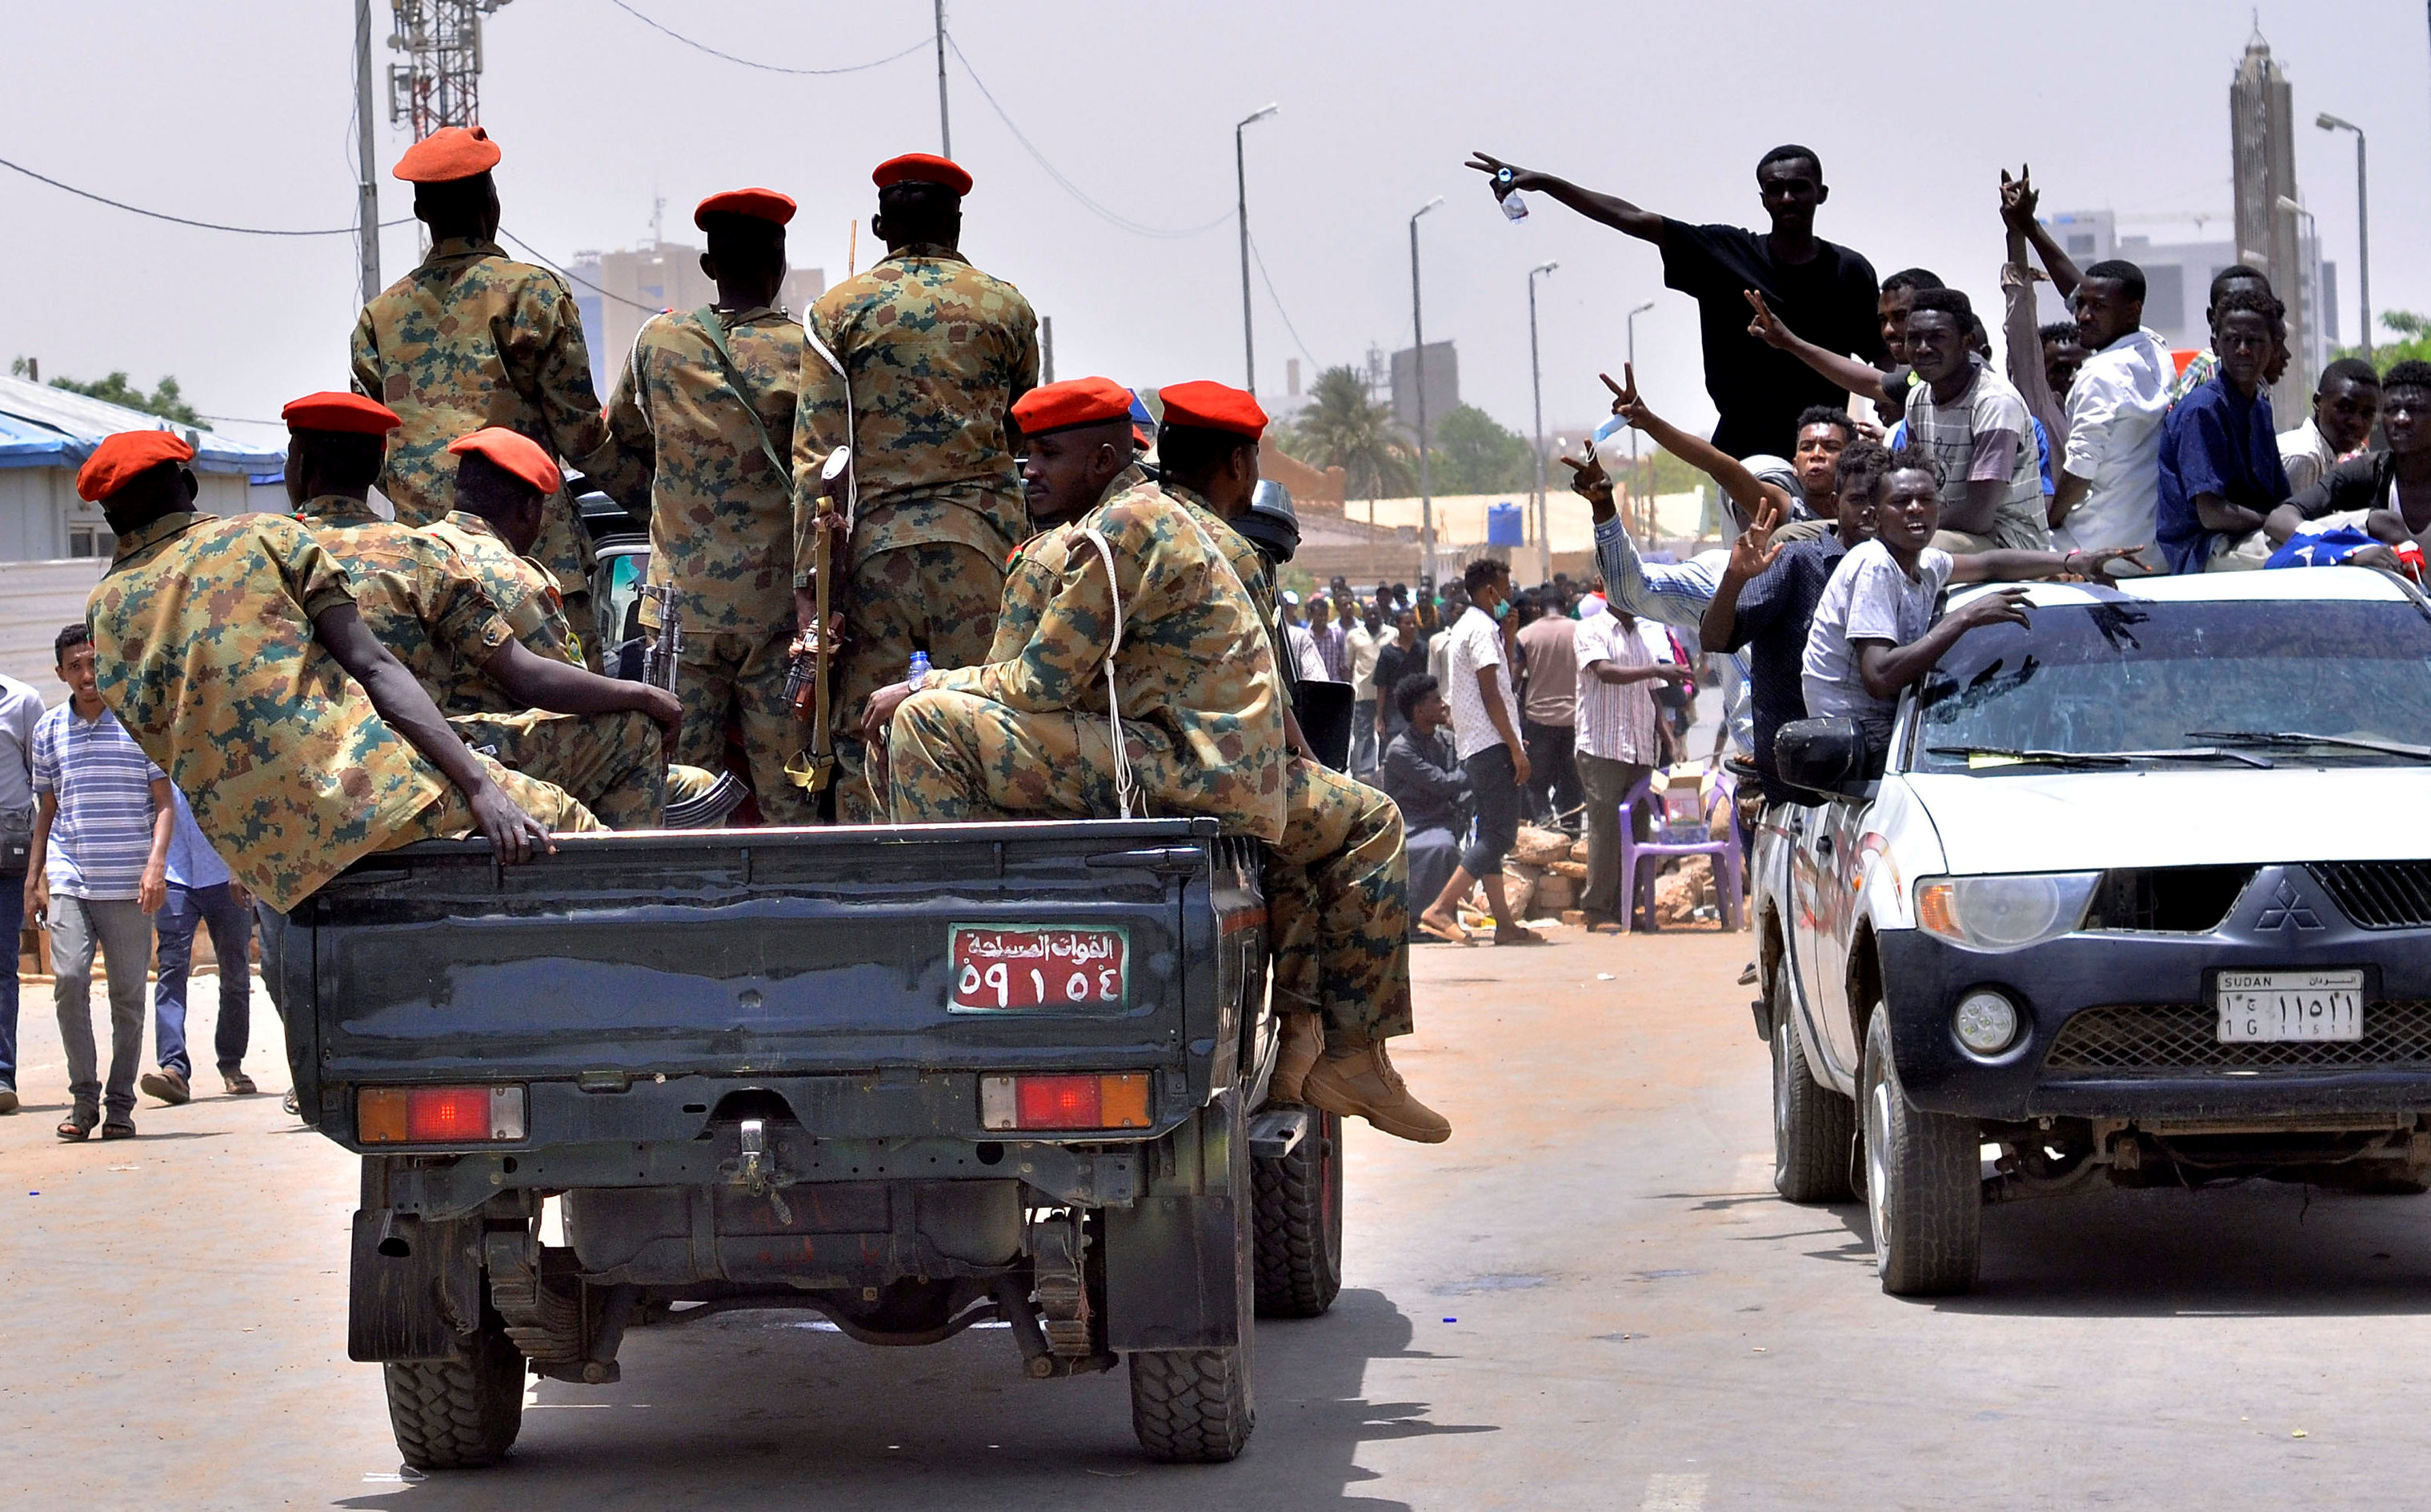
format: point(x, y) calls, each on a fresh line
point(1423, 776)
point(1825, 292)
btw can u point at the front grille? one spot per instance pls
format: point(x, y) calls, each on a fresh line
point(2379, 894)
point(2185, 1038)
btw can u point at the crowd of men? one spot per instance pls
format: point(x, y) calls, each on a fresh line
point(1090, 638)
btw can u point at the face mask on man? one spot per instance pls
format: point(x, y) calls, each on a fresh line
point(1502, 610)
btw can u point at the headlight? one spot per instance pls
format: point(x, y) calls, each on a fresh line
point(2001, 913)
point(1986, 1023)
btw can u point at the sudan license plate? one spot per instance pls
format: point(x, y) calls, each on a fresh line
point(2278, 1005)
point(1014, 968)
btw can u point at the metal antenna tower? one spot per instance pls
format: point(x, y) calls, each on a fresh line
point(440, 82)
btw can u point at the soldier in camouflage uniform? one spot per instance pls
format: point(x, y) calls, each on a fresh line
point(232, 650)
point(472, 338)
point(597, 737)
point(707, 401)
point(933, 353)
point(521, 587)
point(1337, 882)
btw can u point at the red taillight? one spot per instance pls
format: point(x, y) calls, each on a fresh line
point(439, 1114)
point(1086, 1100)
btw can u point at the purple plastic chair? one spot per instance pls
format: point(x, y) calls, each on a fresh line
point(1641, 859)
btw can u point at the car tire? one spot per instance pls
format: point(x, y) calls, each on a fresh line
point(1924, 1182)
point(459, 1414)
point(1298, 1211)
point(1196, 1405)
point(1814, 1127)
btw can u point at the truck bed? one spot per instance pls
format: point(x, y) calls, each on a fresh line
point(632, 982)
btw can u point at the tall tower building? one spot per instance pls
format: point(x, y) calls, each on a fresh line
point(2262, 148)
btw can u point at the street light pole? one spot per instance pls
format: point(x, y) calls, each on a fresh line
point(2363, 227)
point(366, 178)
point(1646, 526)
point(944, 126)
point(1241, 211)
point(1418, 357)
point(1536, 387)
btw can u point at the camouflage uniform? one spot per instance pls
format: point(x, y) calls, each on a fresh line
point(422, 603)
point(937, 352)
point(521, 587)
point(1337, 884)
point(721, 529)
point(203, 628)
point(472, 338)
point(1202, 713)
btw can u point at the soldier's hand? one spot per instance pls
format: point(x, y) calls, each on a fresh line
point(879, 715)
point(663, 706)
point(515, 835)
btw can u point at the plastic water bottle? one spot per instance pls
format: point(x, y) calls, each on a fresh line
point(919, 672)
point(1514, 208)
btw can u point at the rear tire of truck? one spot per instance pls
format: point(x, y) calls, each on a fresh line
point(461, 1413)
point(1195, 1406)
point(1814, 1128)
point(1299, 1223)
point(1924, 1182)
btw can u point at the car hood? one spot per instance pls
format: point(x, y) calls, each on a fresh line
point(2083, 820)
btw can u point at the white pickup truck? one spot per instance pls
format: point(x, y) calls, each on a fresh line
point(2143, 894)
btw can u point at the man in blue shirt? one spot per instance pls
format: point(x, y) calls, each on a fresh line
point(2221, 472)
point(200, 892)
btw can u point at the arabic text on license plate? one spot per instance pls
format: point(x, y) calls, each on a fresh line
point(2279, 1005)
point(1007, 968)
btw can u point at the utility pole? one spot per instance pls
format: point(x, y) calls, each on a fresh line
point(1647, 528)
point(1241, 212)
point(1419, 361)
point(944, 126)
point(2363, 227)
point(1536, 387)
point(366, 180)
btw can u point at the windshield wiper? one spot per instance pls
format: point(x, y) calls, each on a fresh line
point(2104, 759)
point(2349, 742)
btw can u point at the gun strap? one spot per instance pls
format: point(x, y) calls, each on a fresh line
point(852, 495)
point(715, 330)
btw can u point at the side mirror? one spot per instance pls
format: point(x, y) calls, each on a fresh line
point(1826, 758)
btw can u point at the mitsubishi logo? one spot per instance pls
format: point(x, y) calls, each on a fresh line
point(2287, 910)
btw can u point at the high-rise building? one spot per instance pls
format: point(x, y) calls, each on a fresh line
point(2178, 270)
point(1443, 386)
point(618, 291)
point(2262, 148)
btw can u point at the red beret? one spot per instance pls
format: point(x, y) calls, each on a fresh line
point(922, 168)
point(1210, 405)
point(517, 453)
point(448, 155)
point(349, 413)
point(1075, 402)
point(118, 460)
point(758, 204)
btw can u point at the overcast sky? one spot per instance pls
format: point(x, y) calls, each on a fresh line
point(243, 113)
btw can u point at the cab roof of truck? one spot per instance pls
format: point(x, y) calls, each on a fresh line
point(2307, 585)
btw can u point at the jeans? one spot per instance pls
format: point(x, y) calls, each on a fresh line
point(231, 926)
point(12, 917)
point(1362, 737)
point(1607, 783)
point(1552, 778)
point(1495, 780)
point(124, 931)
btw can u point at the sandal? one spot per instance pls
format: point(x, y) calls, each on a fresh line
point(118, 1129)
point(1436, 933)
point(74, 1132)
point(1518, 935)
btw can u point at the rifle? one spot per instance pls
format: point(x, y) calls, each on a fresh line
point(659, 658)
point(806, 681)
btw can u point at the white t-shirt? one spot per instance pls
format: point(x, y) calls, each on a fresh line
point(1476, 641)
point(1988, 407)
point(2114, 410)
point(1867, 598)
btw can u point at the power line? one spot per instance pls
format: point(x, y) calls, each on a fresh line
point(1266, 278)
point(180, 220)
point(766, 68)
point(1109, 216)
point(535, 255)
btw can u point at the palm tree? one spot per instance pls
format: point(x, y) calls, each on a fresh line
point(1343, 427)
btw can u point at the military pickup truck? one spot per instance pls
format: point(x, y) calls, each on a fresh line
point(910, 1079)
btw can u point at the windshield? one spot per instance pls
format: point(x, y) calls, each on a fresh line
point(2137, 676)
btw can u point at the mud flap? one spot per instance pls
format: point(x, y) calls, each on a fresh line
point(1171, 1278)
point(413, 1288)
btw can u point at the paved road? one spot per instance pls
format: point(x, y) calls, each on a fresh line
point(1588, 1299)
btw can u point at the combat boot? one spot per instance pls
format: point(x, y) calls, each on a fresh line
point(1361, 1081)
point(1303, 1041)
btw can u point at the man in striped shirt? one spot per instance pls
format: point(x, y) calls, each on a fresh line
point(97, 872)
